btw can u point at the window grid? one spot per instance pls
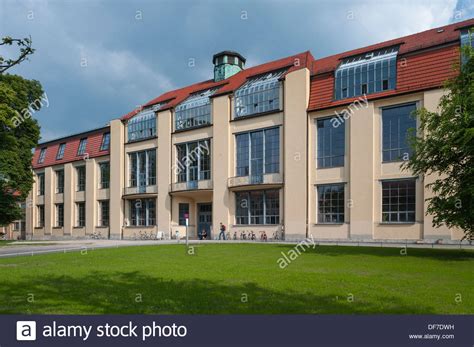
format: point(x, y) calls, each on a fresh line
point(331, 143)
point(194, 161)
point(399, 201)
point(194, 111)
point(59, 181)
point(142, 126)
point(183, 210)
point(142, 168)
point(143, 212)
point(60, 154)
point(81, 178)
point(396, 122)
point(42, 155)
point(258, 153)
point(259, 94)
point(104, 175)
point(82, 146)
point(40, 184)
point(331, 203)
point(105, 145)
point(59, 215)
point(257, 207)
point(104, 208)
point(40, 221)
point(366, 74)
point(81, 214)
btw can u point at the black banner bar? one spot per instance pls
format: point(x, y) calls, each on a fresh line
point(237, 330)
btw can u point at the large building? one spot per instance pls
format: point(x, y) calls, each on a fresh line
point(294, 147)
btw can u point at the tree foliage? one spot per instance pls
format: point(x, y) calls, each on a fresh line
point(444, 148)
point(19, 134)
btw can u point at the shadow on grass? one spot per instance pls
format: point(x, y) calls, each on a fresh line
point(437, 254)
point(138, 293)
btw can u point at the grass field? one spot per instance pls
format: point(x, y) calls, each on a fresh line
point(239, 278)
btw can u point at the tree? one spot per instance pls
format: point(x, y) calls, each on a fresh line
point(25, 51)
point(19, 134)
point(445, 148)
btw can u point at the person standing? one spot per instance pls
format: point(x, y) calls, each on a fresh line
point(222, 231)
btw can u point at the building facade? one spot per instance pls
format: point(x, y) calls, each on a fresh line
point(295, 147)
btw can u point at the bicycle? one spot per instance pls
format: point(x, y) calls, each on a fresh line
point(96, 235)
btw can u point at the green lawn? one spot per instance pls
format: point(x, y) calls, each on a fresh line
point(239, 278)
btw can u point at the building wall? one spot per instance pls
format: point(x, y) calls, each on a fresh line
point(297, 180)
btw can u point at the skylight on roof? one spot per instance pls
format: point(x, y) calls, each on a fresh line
point(195, 110)
point(366, 73)
point(142, 125)
point(259, 94)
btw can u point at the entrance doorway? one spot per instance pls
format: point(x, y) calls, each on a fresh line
point(204, 220)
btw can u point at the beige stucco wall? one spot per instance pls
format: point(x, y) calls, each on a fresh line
point(294, 142)
point(299, 176)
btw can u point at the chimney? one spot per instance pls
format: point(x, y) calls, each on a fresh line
point(226, 64)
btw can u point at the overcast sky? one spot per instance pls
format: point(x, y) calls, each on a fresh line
point(97, 60)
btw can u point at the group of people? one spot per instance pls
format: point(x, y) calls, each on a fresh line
point(203, 234)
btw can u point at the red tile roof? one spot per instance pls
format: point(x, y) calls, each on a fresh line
point(94, 140)
point(173, 98)
point(410, 43)
point(425, 60)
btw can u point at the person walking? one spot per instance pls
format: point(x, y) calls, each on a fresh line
point(222, 229)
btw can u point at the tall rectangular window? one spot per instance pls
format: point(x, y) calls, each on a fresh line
point(331, 143)
point(243, 154)
point(331, 203)
point(259, 94)
point(104, 175)
point(143, 212)
point(399, 201)
point(366, 74)
point(40, 183)
point(82, 146)
point(142, 126)
point(59, 181)
point(59, 215)
point(60, 154)
point(104, 213)
point(42, 155)
point(193, 161)
point(258, 152)
point(40, 217)
point(396, 123)
point(105, 144)
point(257, 207)
point(183, 212)
point(80, 214)
point(81, 178)
point(142, 168)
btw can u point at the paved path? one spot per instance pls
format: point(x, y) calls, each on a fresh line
point(32, 248)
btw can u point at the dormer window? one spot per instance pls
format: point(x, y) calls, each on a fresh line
point(259, 94)
point(82, 146)
point(42, 155)
point(105, 145)
point(61, 149)
point(195, 111)
point(142, 126)
point(366, 74)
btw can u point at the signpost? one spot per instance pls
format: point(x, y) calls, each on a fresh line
point(186, 216)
